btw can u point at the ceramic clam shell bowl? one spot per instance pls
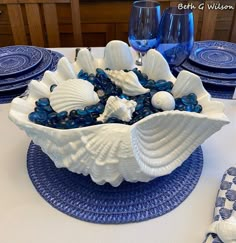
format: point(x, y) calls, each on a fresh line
point(151, 147)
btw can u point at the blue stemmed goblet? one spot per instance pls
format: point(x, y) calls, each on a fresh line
point(143, 26)
point(176, 35)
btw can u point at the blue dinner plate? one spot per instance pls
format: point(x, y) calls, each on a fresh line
point(18, 59)
point(54, 56)
point(43, 65)
point(219, 74)
point(214, 54)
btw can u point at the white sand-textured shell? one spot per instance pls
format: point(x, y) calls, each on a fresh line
point(163, 100)
point(118, 108)
point(73, 94)
point(127, 81)
point(152, 147)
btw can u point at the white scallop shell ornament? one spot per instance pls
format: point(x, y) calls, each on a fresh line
point(118, 108)
point(127, 81)
point(73, 94)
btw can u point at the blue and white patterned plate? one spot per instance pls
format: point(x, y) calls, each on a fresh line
point(214, 54)
point(43, 65)
point(18, 59)
point(220, 74)
point(54, 56)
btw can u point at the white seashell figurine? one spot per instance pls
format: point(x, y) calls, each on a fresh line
point(119, 108)
point(111, 152)
point(73, 94)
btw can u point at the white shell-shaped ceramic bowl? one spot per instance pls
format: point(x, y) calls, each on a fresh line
point(152, 147)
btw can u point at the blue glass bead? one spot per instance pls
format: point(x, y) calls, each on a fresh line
point(43, 102)
point(61, 124)
point(94, 115)
point(198, 108)
point(145, 76)
point(178, 101)
point(39, 117)
point(192, 98)
point(52, 87)
point(82, 112)
point(146, 112)
point(150, 84)
point(47, 108)
point(180, 107)
point(52, 116)
point(138, 73)
point(62, 115)
point(73, 114)
point(100, 107)
point(139, 106)
point(91, 78)
point(124, 96)
point(91, 108)
point(162, 85)
point(82, 75)
point(189, 108)
point(72, 124)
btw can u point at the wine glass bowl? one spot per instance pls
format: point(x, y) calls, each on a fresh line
point(176, 35)
point(143, 26)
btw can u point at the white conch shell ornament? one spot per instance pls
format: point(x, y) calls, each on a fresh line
point(118, 108)
point(73, 94)
point(154, 146)
point(127, 81)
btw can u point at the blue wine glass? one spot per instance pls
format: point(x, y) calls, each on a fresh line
point(176, 35)
point(143, 26)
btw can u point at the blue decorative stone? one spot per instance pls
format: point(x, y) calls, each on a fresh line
point(198, 108)
point(72, 124)
point(189, 107)
point(82, 112)
point(52, 116)
point(73, 114)
point(39, 117)
point(62, 115)
point(91, 78)
point(42, 102)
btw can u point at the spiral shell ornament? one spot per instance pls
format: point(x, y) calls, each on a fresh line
point(127, 81)
point(73, 94)
point(118, 108)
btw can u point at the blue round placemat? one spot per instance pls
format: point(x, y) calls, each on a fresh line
point(79, 197)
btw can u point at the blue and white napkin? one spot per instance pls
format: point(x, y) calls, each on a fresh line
point(223, 228)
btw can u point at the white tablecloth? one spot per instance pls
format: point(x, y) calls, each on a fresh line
point(25, 217)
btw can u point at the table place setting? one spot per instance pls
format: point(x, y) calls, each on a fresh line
point(215, 62)
point(19, 65)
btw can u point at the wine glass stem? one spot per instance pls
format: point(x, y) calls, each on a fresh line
point(139, 61)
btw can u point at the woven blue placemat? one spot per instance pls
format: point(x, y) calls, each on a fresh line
point(78, 196)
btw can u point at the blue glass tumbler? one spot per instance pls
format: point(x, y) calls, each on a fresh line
point(175, 37)
point(143, 26)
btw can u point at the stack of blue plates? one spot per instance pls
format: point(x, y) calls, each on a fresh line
point(19, 65)
point(215, 63)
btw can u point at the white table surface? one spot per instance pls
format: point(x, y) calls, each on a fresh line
point(25, 217)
